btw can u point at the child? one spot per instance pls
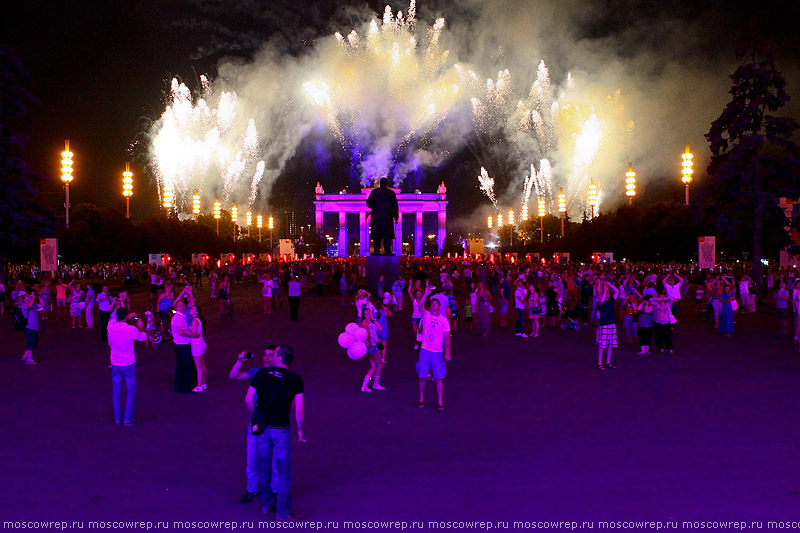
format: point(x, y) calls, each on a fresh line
point(149, 328)
point(451, 300)
point(468, 314)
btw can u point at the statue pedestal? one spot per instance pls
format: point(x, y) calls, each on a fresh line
point(386, 265)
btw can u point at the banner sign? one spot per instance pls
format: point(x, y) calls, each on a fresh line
point(48, 249)
point(707, 252)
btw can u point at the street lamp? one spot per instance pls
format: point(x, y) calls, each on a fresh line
point(524, 212)
point(489, 222)
point(541, 220)
point(196, 206)
point(259, 225)
point(167, 200)
point(249, 219)
point(562, 208)
point(217, 214)
point(499, 220)
point(630, 184)
point(66, 174)
point(687, 170)
point(127, 188)
point(592, 201)
point(234, 219)
point(270, 225)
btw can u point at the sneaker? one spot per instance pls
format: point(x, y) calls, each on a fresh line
point(248, 497)
point(378, 387)
point(199, 388)
point(129, 424)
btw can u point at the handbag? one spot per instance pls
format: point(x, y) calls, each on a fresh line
point(734, 304)
point(257, 422)
point(536, 310)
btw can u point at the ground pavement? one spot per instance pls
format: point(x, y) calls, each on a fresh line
point(532, 430)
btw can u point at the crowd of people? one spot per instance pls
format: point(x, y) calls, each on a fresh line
point(644, 300)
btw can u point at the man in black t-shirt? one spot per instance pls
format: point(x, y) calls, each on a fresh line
point(277, 389)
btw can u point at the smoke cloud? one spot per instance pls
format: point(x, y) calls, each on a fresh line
point(645, 80)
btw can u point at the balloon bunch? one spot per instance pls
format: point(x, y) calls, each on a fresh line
point(354, 341)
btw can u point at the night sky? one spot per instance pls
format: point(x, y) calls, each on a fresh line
point(101, 69)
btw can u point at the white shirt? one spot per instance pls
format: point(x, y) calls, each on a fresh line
point(267, 287)
point(673, 292)
point(434, 329)
point(179, 320)
point(519, 298)
point(104, 301)
point(120, 339)
point(744, 287)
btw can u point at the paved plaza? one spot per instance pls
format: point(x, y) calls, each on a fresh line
point(532, 430)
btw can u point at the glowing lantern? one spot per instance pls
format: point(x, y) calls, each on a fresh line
point(630, 183)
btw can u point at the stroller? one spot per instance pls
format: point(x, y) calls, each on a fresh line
point(575, 319)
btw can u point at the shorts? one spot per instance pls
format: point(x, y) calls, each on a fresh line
point(61, 302)
point(31, 339)
point(431, 361)
point(468, 319)
point(416, 321)
point(607, 336)
point(504, 307)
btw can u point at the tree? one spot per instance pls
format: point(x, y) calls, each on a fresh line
point(21, 218)
point(753, 159)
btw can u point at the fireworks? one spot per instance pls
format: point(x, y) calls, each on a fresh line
point(381, 93)
point(487, 186)
point(192, 144)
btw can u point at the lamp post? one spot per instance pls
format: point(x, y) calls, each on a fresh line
point(541, 219)
point(630, 184)
point(259, 225)
point(217, 214)
point(196, 207)
point(167, 200)
point(234, 219)
point(66, 174)
point(687, 170)
point(270, 225)
point(562, 208)
point(592, 200)
point(127, 188)
point(248, 218)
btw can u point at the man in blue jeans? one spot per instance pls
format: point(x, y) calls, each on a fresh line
point(121, 336)
point(277, 390)
point(251, 470)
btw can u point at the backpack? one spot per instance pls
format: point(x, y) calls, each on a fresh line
point(19, 320)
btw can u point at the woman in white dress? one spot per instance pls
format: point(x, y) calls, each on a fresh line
point(266, 292)
point(89, 302)
point(198, 347)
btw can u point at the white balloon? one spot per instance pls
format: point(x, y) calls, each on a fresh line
point(357, 350)
point(386, 295)
point(386, 301)
point(361, 334)
point(351, 328)
point(346, 340)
